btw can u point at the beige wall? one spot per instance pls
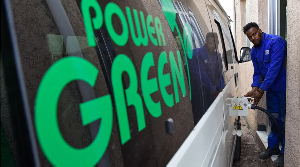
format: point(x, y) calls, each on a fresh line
point(240, 7)
point(292, 140)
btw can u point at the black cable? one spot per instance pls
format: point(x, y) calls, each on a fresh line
point(273, 118)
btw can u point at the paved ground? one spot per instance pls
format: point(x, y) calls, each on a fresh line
point(250, 149)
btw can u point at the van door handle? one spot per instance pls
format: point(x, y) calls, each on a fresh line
point(169, 126)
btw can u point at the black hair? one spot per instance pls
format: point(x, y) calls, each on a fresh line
point(250, 25)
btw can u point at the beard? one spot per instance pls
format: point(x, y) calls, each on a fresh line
point(257, 45)
point(260, 41)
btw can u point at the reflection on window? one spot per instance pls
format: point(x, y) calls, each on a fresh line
point(224, 30)
point(227, 38)
point(205, 67)
point(206, 75)
point(106, 54)
point(188, 17)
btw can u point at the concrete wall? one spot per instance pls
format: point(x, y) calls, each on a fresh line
point(292, 140)
point(240, 18)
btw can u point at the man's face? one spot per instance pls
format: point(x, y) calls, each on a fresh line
point(254, 35)
point(210, 44)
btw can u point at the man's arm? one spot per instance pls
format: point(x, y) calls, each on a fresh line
point(257, 73)
point(277, 56)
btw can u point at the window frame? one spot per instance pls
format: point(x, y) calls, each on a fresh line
point(223, 44)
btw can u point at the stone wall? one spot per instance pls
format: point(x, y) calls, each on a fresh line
point(292, 129)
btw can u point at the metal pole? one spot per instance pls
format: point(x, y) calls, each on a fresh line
point(278, 17)
point(269, 20)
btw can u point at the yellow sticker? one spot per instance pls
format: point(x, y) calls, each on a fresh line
point(235, 107)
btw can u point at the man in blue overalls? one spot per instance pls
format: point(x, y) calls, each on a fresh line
point(269, 60)
point(206, 75)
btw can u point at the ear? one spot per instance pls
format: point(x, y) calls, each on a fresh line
point(260, 31)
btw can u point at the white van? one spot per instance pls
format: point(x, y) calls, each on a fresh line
point(118, 83)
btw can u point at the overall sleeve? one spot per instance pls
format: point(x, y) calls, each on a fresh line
point(257, 73)
point(197, 69)
point(277, 56)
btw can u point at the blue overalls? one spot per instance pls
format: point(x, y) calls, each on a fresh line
point(206, 79)
point(269, 61)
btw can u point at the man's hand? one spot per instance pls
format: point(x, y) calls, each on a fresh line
point(251, 93)
point(257, 96)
